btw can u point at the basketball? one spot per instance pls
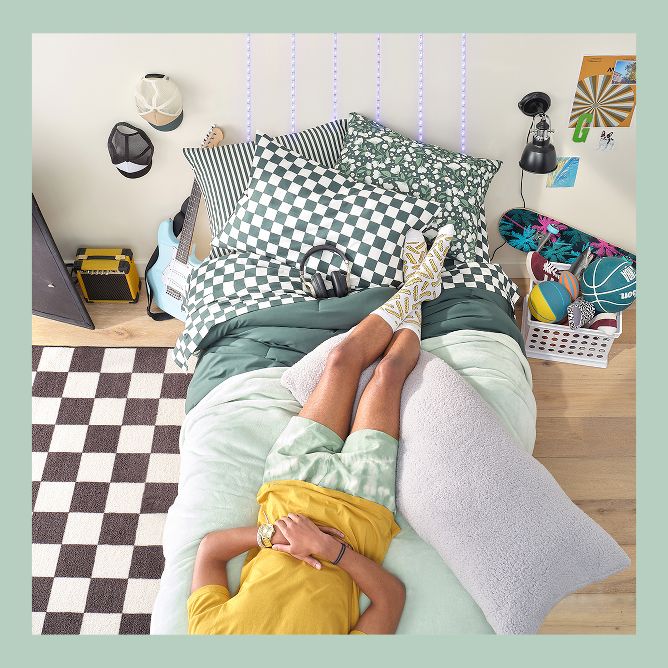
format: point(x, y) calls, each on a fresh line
point(609, 284)
point(548, 301)
point(571, 283)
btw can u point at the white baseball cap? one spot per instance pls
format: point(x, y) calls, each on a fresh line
point(159, 102)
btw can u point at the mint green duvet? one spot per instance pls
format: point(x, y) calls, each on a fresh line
point(228, 433)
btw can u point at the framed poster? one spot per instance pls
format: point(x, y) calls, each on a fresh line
point(607, 90)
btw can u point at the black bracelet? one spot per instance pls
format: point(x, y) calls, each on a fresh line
point(341, 553)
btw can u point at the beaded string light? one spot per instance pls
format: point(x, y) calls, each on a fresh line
point(293, 77)
point(335, 76)
point(420, 109)
point(378, 77)
point(248, 87)
point(462, 134)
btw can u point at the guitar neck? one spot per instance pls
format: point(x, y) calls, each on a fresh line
point(186, 236)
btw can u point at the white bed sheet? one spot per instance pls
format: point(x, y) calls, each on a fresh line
point(224, 443)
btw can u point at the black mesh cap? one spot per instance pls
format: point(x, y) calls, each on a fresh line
point(130, 149)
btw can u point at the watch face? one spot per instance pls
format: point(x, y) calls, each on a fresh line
point(265, 532)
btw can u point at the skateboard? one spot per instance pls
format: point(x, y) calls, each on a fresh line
point(525, 229)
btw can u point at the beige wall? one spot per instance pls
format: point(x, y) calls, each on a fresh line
point(83, 84)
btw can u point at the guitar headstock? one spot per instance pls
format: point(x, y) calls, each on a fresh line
point(213, 138)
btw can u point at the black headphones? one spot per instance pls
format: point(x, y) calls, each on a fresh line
point(315, 285)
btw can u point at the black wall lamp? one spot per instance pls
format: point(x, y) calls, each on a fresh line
point(539, 156)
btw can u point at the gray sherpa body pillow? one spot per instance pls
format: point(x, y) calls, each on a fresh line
point(493, 512)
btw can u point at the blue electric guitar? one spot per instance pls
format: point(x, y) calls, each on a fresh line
point(167, 279)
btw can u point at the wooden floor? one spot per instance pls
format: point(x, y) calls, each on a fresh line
point(115, 325)
point(585, 437)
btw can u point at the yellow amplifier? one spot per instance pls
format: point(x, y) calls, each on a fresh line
point(107, 274)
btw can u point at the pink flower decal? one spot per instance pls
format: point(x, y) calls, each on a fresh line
point(546, 225)
point(603, 248)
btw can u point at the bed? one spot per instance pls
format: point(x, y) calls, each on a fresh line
point(360, 186)
point(493, 542)
point(236, 408)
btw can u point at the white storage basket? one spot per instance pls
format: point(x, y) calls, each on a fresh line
point(560, 343)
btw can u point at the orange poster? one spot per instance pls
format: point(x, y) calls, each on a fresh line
point(606, 90)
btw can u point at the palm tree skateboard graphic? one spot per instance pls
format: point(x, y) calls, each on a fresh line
point(524, 230)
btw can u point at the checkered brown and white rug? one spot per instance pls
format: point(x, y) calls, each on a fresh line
point(105, 467)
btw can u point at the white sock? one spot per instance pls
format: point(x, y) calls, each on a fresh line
point(415, 250)
point(423, 285)
point(432, 265)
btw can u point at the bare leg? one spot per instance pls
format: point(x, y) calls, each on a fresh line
point(331, 403)
point(379, 405)
point(332, 400)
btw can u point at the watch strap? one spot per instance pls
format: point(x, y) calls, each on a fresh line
point(264, 534)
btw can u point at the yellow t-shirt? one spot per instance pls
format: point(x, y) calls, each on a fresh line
point(279, 594)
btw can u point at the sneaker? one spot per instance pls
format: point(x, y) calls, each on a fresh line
point(541, 269)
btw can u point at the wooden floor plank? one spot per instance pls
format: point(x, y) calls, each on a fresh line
point(570, 436)
point(553, 629)
point(616, 516)
point(628, 327)
point(606, 612)
point(579, 391)
point(116, 325)
point(590, 478)
point(620, 583)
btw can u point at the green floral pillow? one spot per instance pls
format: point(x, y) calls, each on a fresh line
point(379, 156)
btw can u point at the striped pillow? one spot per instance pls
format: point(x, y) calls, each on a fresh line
point(224, 172)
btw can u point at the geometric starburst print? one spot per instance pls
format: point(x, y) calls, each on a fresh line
point(610, 104)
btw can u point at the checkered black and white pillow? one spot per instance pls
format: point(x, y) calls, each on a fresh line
point(294, 204)
point(482, 245)
point(224, 172)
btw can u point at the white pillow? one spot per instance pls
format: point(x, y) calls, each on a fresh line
point(498, 518)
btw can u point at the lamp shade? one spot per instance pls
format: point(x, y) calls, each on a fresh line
point(539, 159)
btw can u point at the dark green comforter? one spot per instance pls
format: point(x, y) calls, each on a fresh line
point(282, 335)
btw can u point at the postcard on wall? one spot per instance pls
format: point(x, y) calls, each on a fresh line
point(606, 90)
point(606, 142)
point(564, 175)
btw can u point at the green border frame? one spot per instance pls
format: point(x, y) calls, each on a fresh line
point(641, 17)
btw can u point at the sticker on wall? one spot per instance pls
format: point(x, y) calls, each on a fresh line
point(564, 175)
point(606, 89)
point(582, 128)
point(606, 141)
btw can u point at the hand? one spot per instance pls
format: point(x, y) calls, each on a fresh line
point(278, 538)
point(307, 540)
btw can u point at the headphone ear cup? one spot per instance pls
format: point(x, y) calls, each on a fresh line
point(339, 282)
point(319, 287)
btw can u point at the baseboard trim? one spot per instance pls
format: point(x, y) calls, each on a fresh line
point(515, 269)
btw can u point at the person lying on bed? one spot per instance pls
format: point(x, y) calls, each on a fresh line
point(327, 503)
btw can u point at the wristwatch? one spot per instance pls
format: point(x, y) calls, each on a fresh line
point(264, 534)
